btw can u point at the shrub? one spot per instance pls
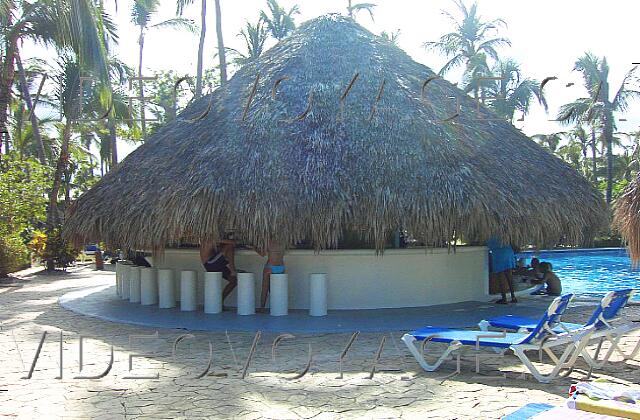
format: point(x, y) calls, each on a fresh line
point(57, 252)
point(14, 255)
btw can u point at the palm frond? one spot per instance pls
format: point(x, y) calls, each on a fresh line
point(177, 23)
point(625, 93)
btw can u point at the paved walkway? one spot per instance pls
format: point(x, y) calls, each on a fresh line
point(166, 385)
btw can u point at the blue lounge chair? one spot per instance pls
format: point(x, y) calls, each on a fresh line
point(607, 311)
point(541, 338)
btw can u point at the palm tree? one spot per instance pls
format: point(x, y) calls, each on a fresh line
point(254, 37)
point(26, 96)
point(353, 9)
point(80, 26)
point(571, 153)
point(221, 51)
point(203, 30)
point(67, 92)
point(470, 44)
point(511, 91)
point(549, 141)
point(279, 21)
point(599, 109)
point(391, 37)
point(580, 136)
point(141, 14)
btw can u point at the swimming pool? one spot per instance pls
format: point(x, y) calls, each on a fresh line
point(591, 272)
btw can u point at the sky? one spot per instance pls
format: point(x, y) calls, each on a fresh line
point(547, 36)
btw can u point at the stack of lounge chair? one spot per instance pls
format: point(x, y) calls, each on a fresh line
point(524, 336)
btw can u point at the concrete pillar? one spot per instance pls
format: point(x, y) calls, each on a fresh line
point(166, 289)
point(212, 293)
point(246, 294)
point(279, 294)
point(125, 280)
point(134, 284)
point(318, 294)
point(188, 286)
point(148, 286)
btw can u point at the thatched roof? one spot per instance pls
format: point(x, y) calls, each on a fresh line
point(626, 217)
point(342, 131)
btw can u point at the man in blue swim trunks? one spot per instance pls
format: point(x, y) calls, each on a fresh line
point(274, 265)
point(501, 264)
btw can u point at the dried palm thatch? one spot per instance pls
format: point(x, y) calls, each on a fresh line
point(626, 218)
point(332, 129)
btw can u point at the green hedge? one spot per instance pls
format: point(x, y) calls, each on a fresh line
point(14, 255)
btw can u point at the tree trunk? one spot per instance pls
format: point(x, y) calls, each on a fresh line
point(143, 122)
point(114, 141)
point(594, 165)
point(7, 74)
point(583, 146)
point(203, 31)
point(608, 137)
point(221, 52)
point(35, 125)
point(53, 217)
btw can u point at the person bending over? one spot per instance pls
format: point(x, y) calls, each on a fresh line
point(219, 257)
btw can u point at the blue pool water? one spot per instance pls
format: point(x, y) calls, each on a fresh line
point(591, 272)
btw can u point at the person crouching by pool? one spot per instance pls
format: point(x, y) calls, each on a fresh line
point(501, 264)
point(274, 265)
point(554, 286)
point(219, 257)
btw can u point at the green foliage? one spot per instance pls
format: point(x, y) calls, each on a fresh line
point(618, 187)
point(58, 252)
point(23, 188)
point(14, 255)
point(254, 37)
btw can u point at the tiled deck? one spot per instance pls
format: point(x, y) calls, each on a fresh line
point(400, 389)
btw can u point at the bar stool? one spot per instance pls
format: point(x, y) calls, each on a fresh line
point(125, 281)
point(148, 286)
point(279, 295)
point(246, 294)
point(318, 294)
point(188, 285)
point(212, 292)
point(134, 284)
point(166, 289)
point(118, 278)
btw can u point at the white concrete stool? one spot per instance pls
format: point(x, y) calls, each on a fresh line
point(176, 284)
point(188, 286)
point(246, 294)
point(118, 278)
point(318, 294)
point(279, 294)
point(212, 292)
point(134, 284)
point(166, 289)
point(125, 281)
point(148, 286)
